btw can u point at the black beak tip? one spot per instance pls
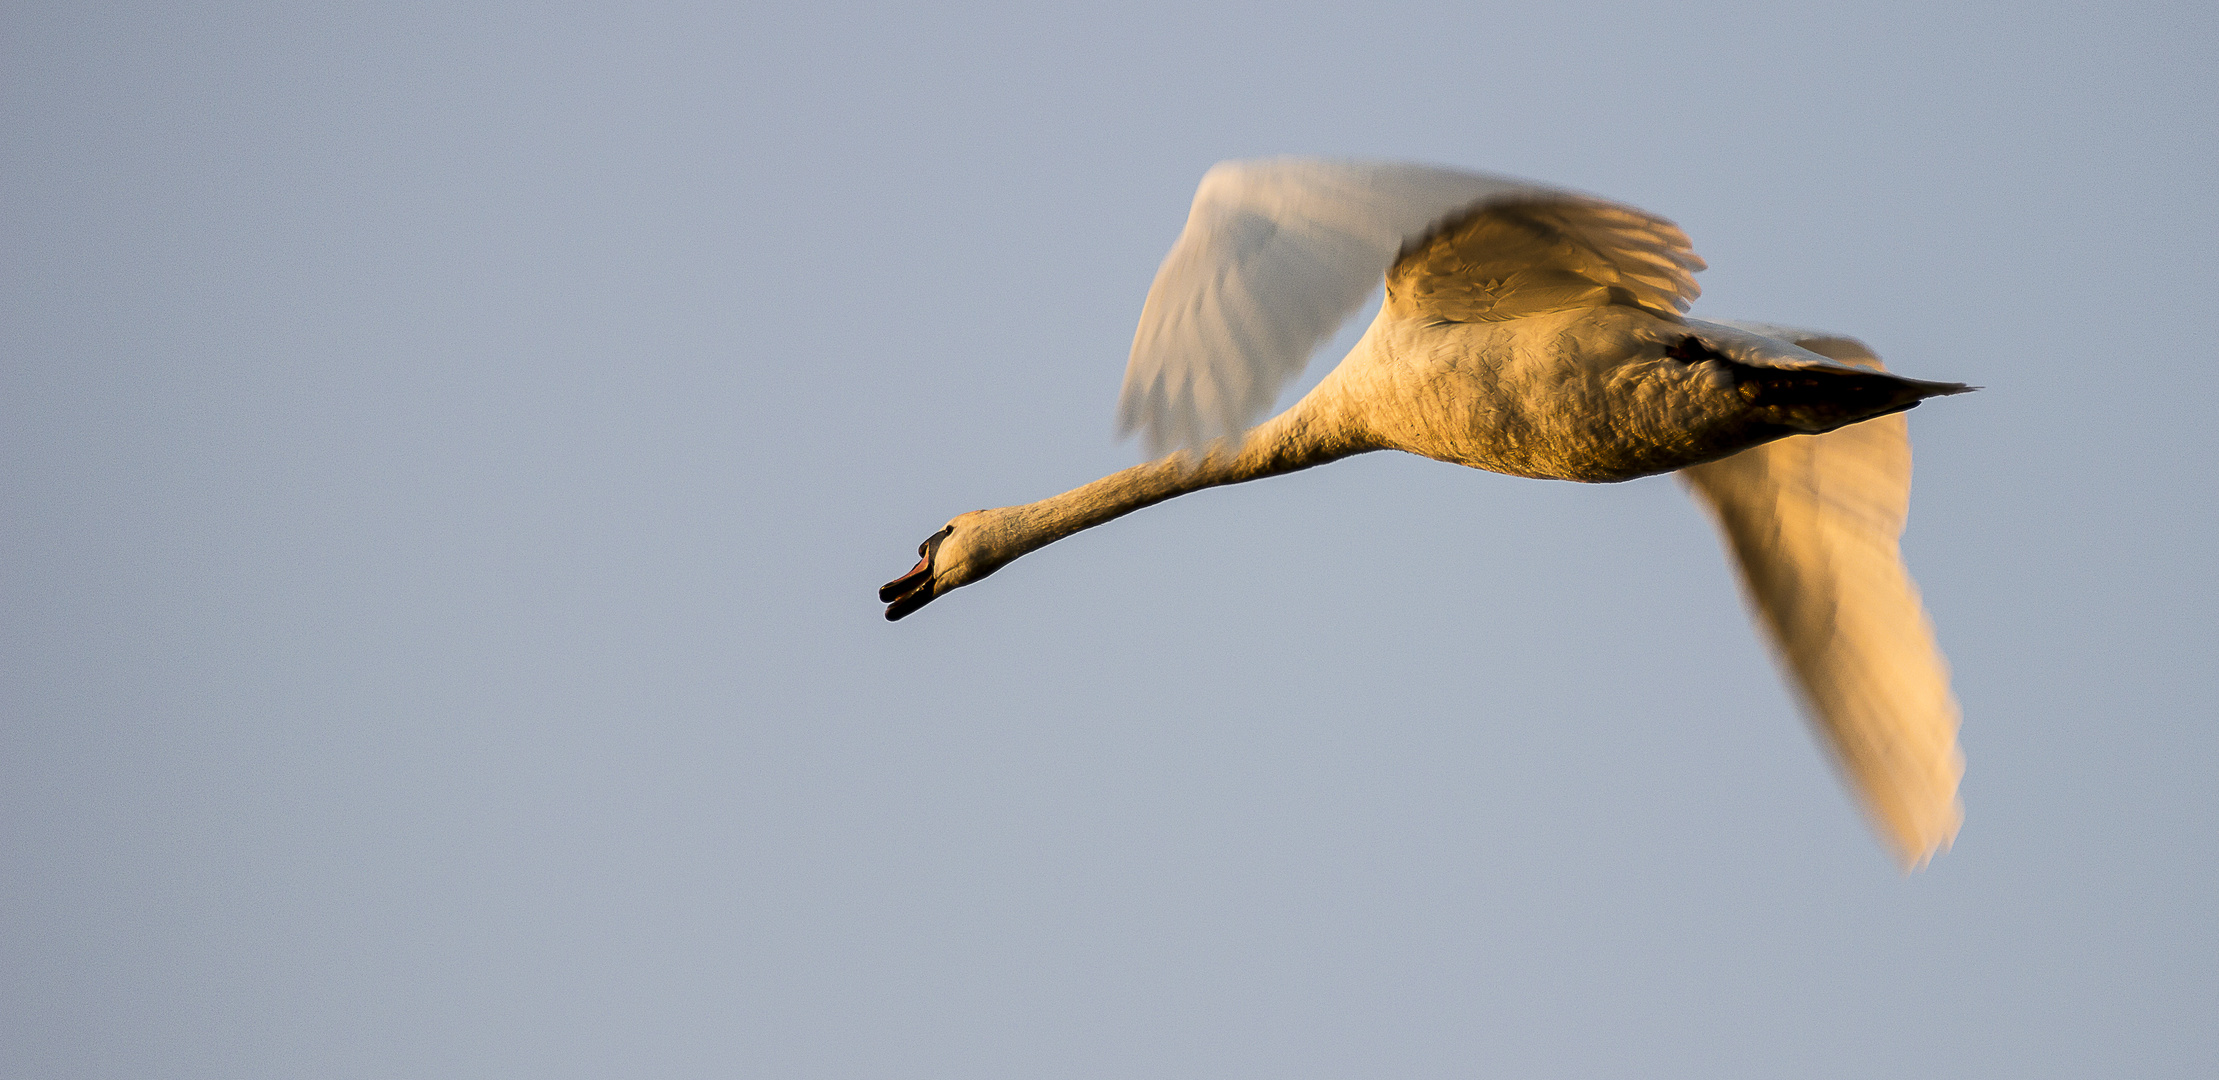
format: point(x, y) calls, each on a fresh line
point(922, 572)
point(909, 602)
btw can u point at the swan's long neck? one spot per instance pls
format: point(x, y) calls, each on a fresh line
point(1318, 429)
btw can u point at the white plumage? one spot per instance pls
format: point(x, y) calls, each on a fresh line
point(1277, 254)
point(1536, 332)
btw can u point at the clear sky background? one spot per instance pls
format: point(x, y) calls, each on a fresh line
point(447, 453)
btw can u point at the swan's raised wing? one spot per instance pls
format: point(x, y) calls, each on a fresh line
point(1275, 256)
point(1813, 521)
point(1278, 253)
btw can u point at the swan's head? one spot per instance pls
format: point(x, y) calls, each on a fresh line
point(968, 548)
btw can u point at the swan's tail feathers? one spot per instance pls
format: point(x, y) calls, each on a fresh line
point(1817, 400)
point(1843, 387)
point(1806, 398)
point(916, 588)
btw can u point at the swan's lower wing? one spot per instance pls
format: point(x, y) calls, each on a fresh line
point(1813, 522)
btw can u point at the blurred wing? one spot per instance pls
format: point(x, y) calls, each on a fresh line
point(1510, 257)
point(1813, 521)
point(1276, 256)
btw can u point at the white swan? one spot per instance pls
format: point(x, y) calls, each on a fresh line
point(1535, 332)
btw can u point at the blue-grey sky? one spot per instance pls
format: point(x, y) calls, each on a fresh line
point(448, 451)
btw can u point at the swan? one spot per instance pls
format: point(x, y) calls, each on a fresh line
point(1537, 332)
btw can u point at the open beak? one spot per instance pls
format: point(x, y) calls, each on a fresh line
point(914, 589)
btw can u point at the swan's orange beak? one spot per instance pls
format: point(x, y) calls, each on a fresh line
point(914, 589)
point(908, 592)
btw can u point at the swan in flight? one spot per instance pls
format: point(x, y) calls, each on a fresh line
point(1537, 332)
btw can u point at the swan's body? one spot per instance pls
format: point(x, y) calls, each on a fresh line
point(1537, 333)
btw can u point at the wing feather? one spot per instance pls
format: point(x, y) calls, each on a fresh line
point(1813, 522)
point(1276, 255)
point(1510, 257)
